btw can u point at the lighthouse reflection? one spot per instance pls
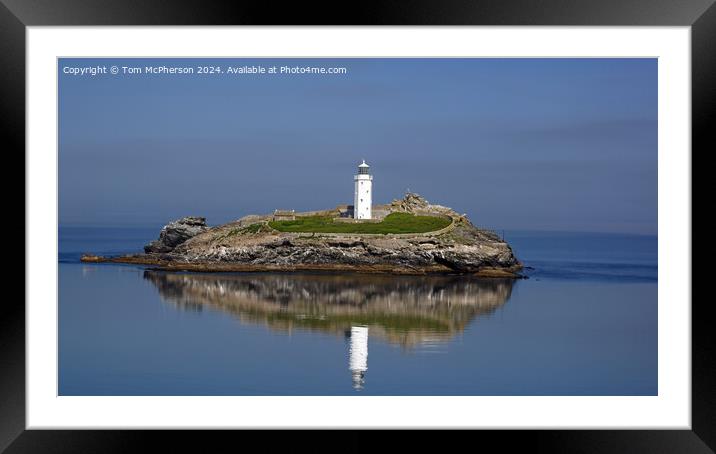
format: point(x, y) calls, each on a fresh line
point(409, 311)
point(358, 355)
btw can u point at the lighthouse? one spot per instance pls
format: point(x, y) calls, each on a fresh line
point(363, 195)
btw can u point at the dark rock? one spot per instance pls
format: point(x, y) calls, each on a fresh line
point(175, 233)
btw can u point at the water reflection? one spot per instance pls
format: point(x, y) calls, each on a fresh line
point(404, 310)
point(408, 311)
point(358, 355)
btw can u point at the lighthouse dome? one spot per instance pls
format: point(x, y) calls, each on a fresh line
point(363, 168)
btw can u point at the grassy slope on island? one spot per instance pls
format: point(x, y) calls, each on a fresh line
point(393, 223)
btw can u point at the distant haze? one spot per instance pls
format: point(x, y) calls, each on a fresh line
point(517, 144)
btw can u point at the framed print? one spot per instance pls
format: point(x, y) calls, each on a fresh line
point(454, 216)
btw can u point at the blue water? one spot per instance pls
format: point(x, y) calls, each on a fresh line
point(584, 323)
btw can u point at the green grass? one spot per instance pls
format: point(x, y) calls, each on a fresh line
point(393, 223)
point(253, 228)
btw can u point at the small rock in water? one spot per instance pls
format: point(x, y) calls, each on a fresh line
point(91, 258)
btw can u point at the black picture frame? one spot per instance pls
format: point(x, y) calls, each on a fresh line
point(16, 15)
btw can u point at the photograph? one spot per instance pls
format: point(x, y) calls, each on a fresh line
point(363, 226)
point(467, 217)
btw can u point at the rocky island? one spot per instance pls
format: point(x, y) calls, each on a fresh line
point(407, 236)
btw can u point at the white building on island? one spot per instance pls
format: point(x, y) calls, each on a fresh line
point(363, 196)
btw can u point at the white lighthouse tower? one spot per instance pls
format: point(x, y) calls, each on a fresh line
point(363, 196)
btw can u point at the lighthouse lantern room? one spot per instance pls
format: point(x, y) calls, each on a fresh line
point(363, 195)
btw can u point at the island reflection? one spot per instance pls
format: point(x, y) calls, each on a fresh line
point(403, 310)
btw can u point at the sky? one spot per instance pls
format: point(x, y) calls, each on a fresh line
point(516, 144)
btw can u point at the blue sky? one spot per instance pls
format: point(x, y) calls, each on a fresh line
point(517, 144)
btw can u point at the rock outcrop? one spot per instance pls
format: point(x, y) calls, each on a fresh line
point(410, 203)
point(176, 233)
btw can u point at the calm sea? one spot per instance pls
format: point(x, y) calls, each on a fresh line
point(584, 323)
